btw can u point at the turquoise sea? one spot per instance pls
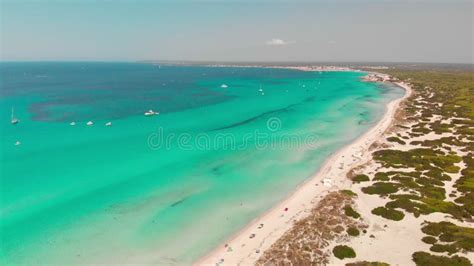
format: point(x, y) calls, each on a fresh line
point(227, 145)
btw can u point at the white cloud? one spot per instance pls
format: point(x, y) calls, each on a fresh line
point(278, 42)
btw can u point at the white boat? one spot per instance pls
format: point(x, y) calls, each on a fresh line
point(151, 112)
point(90, 123)
point(14, 119)
point(108, 124)
point(72, 123)
point(17, 143)
point(224, 86)
point(260, 90)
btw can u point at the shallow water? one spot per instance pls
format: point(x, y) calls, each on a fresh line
point(166, 188)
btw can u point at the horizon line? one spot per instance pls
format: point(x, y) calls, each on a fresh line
point(151, 61)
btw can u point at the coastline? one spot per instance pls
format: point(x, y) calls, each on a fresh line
point(248, 244)
point(298, 68)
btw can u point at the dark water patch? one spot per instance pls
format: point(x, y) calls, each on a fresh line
point(83, 91)
point(176, 203)
point(252, 119)
point(271, 112)
point(309, 99)
point(216, 170)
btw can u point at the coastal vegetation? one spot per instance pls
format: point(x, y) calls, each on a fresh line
point(349, 193)
point(396, 139)
point(425, 258)
point(360, 178)
point(342, 252)
point(307, 242)
point(448, 237)
point(353, 231)
point(388, 213)
point(424, 166)
point(349, 211)
point(428, 166)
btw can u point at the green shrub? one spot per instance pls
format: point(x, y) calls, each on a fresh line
point(342, 251)
point(429, 240)
point(395, 139)
point(349, 192)
point(388, 213)
point(351, 212)
point(460, 238)
point(353, 231)
point(381, 188)
point(381, 176)
point(425, 259)
point(360, 178)
point(451, 249)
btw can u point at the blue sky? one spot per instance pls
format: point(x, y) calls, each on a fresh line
point(400, 31)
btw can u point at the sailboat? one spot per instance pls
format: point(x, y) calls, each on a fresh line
point(14, 119)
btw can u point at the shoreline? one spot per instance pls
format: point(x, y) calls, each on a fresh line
point(298, 68)
point(249, 243)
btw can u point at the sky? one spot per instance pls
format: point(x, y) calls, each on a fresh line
point(437, 31)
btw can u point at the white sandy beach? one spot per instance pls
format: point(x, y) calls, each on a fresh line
point(246, 246)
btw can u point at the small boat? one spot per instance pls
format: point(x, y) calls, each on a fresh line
point(90, 123)
point(151, 112)
point(14, 119)
point(260, 88)
point(108, 124)
point(72, 123)
point(224, 86)
point(17, 143)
